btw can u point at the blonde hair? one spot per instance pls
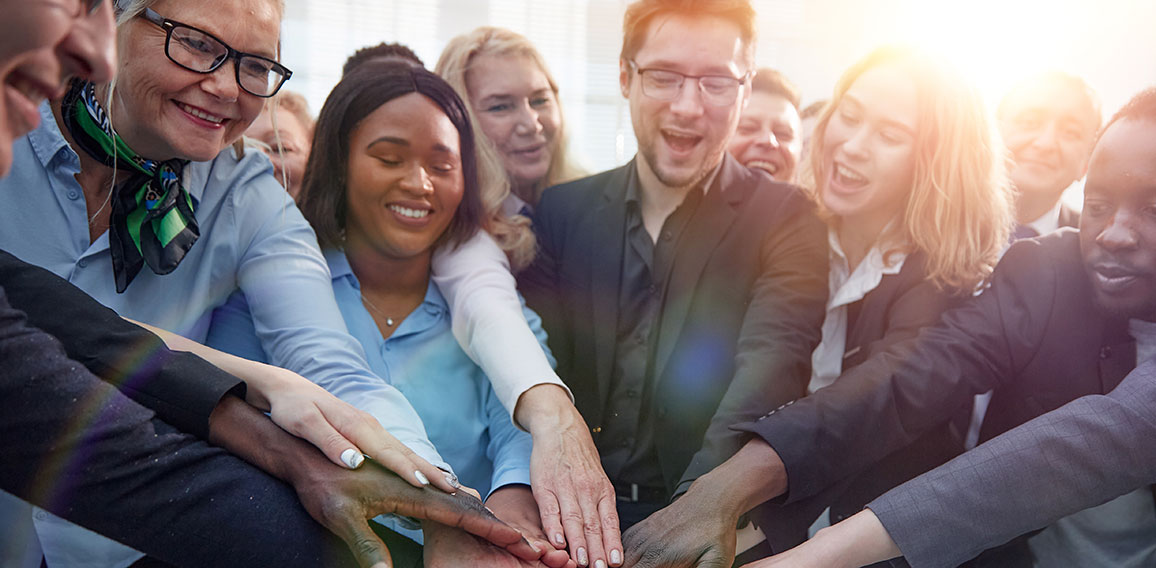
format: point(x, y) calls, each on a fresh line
point(512, 232)
point(960, 207)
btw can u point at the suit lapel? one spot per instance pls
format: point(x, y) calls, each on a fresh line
point(710, 223)
point(607, 228)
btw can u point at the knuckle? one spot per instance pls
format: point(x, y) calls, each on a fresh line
point(592, 525)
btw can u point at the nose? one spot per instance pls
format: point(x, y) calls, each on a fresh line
point(222, 83)
point(768, 138)
point(527, 120)
point(857, 143)
point(689, 99)
point(1119, 234)
point(417, 181)
point(89, 49)
point(1048, 136)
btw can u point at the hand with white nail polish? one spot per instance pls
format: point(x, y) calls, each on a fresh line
point(515, 505)
point(343, 433)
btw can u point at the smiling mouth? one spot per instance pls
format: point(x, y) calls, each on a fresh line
point(201, 114)
point(847, 177)
point(1112, 278)
point(408, 212)
point(680, 142)
point(769, 167)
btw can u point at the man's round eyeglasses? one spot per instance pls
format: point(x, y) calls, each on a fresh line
point(201, 52)
point(665, 85)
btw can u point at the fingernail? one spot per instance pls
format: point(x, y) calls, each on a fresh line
point(352, 458)
point(616, 557)
point(582, 559)
point(559, 539)
point(599, 564)
point(421, 477)
point(381, 565)
point(453, 480)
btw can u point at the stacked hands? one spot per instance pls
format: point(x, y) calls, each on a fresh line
point(577, 524)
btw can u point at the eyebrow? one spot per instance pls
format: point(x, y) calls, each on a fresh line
point(439, 147)
point(668, 65)
point(910, 130)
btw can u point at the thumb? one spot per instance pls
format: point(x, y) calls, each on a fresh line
point(369, 551)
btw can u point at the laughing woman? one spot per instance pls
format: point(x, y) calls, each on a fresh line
point(908, 170)
point(393, 177)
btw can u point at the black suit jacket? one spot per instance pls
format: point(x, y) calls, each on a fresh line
point(740, 313)
point(180, 387)
point(895, 311)
point(1035, 337)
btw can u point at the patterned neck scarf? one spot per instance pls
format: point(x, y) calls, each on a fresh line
point(152, 215)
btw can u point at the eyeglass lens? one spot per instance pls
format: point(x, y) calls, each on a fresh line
point(198, 51)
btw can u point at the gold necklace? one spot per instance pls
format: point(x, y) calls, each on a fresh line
point(365, 301)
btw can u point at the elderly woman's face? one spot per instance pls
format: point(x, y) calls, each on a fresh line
point(164, 111)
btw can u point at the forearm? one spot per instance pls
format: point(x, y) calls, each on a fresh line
point(546, 408)
point(752, 476)
point(259, 377)
point(247, 433)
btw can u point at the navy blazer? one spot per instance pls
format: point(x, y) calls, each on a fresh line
point(1035, 337)
point(740, 312)
point(895, 311)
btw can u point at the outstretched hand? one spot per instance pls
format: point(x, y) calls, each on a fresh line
point(575, 498)
point(692, 533)
point(342, 500)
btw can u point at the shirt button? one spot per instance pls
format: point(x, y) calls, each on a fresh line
point(40, 515)
point(631, 393)
point(73, 195)
point(652, 289)
point(667, 235)
point(82, 263)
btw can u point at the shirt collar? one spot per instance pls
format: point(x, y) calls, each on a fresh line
point(634, 185)
point(339, 268)
point(847, 286)
point(47, 140)
point(1049, 222)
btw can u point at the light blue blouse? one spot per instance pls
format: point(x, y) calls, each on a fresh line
point(462, 414)
point(253, 239)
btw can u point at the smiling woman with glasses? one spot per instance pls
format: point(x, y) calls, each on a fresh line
point(131, 191)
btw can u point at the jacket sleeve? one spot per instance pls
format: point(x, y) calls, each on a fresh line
point(1084, 454)
point(180, 387)
point(779, 331)
point(117, 470)
point(487, 318)
point(888, 401)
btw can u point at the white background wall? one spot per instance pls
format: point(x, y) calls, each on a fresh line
point(1108, 42)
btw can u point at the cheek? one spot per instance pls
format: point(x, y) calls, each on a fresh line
point(496, 129)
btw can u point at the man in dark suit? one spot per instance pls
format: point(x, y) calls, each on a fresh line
point(682, 292)
point(1049, 122)
point(1063, 318)
point(1086, 453)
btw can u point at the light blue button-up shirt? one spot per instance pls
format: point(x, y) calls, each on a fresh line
point(253, 239)
point(461, 412)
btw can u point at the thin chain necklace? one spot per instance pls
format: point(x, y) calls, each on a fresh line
point(375, 309)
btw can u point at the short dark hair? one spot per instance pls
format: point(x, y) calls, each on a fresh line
point(365, 89)
point(638, 16)
point(386, 51)
point(1142, 106)
point(773, 82)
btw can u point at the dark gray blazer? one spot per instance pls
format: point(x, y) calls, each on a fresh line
point(740, 312)
point(1088, 452)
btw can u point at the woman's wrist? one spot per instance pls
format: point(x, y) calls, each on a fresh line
point(545, 407)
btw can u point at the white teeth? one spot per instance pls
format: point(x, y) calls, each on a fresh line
point(768, 166)
point(849, 175)
point(202, 115)
point(411, 213)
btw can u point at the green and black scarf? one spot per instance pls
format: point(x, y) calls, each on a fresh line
point(152, 215)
